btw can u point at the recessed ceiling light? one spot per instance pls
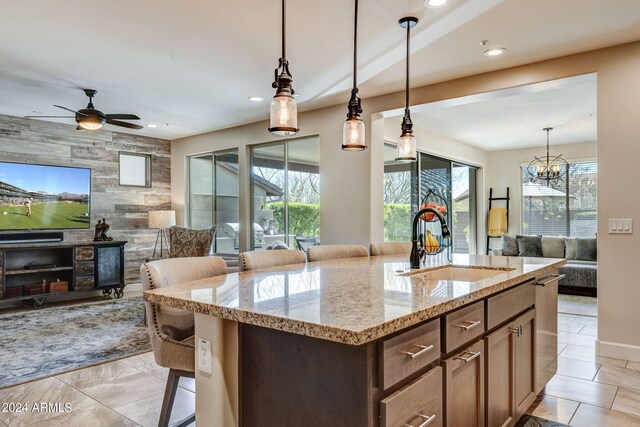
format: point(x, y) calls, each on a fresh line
point(435, 3)
point(151, 125)
point(255, 99)
point(496, 51)
point(296, 94)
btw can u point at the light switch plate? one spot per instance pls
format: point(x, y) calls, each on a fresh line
point(204, 355)
point(620, 226)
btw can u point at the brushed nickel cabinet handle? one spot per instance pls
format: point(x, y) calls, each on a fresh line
point(426, 422)
point(423, 349)
point(470, 324)
point(550, 279)
point(515, 331)
point(470, 358)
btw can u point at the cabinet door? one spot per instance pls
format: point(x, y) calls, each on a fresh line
point(464, 387)
point(546, 331)
point(500, 349)
point(109, 266)
point(525, 362)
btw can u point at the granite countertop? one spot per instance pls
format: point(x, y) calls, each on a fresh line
point(351, 301)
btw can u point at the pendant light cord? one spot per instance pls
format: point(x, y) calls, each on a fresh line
point(355, 48)
point(284, 25)
point(407, 77)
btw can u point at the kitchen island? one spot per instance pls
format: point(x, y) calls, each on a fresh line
point(368, 342)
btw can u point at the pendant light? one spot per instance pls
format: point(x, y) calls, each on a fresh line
point(283, 111)
point(549, 168)
point(353, 132)
point(407, 142)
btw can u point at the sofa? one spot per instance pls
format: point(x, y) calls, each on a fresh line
point(581, 269)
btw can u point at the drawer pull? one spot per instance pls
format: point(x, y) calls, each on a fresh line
point(423, 349)
point(470, 324)
point(515, 330)
point(426, 422)
point(550, 279)
point(470, 358)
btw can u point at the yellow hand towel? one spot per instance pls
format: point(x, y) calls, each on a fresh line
point(498, 221)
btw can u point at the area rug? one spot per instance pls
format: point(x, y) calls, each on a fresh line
point(40, 343)
point(578, 304)
point(531, 421)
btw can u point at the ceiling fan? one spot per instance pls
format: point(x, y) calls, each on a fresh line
point(92, 119)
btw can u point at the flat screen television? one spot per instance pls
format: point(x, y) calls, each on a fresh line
point(39, 197)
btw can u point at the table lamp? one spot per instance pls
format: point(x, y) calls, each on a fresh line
point(161, 220)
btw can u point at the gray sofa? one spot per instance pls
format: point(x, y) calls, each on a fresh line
point(581, 275)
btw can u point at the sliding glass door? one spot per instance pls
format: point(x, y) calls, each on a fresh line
point(213, 198)
point(285, 201)
point(406, 185)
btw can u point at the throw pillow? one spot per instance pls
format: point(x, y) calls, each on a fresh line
point(530, 246)
point(586, 249)
point(509, 246)
point(570, 248)
point(552, 247)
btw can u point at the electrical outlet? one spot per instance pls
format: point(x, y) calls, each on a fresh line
point(620, 226)
point(204, 356)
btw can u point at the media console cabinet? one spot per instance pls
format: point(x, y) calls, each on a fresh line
point(82, 265)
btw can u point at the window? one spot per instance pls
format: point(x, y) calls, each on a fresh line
point(568, 208)
point(456, 183)
point(213, 198)
point(286, 193)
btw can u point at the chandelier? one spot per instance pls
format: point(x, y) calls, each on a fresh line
point(548, 168)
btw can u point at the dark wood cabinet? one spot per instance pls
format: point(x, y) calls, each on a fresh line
point(85, 266)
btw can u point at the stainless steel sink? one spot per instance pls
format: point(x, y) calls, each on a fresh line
point(459, 274)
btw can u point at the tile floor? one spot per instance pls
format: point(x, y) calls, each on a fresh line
point(127, 392)
point(587, 390)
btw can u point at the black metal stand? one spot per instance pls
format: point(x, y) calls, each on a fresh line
point(491, 199)
point(444, 243)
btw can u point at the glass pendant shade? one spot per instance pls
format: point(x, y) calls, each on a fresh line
point(283, 115)
point(353, 135)
point(407, 148)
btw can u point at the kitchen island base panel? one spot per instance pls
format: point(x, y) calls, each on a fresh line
point(294, 380)
point(217, 393)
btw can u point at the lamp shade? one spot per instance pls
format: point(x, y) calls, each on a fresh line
point(162, 219)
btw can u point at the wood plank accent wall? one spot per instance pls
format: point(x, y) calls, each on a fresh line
point(125, 208)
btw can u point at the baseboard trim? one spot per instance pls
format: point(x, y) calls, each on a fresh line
point(617, 350)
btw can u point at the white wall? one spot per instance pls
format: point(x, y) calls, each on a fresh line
point(351, 182)
point(503, 170)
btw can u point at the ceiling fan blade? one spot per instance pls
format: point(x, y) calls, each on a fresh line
point(49, 117)
point(123, 124)
point(68, 109)
point(123, 116)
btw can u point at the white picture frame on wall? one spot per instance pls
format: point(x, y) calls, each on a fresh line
point(134, 169)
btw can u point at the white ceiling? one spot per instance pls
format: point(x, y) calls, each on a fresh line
point(514, 118)
point(193, 64)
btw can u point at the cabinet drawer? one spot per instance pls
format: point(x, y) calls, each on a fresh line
point(408, 352)
point(84, 284)
point(463, 325)
point(416, 403)
point(506, 305)
point(84, 268)
point(84, 253)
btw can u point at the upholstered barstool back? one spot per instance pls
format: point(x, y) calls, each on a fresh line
point(325, 252)
point(390, 248)
point(171, 329)
point(254, 260)
point(185, 242)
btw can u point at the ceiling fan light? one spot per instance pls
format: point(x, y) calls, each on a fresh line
point(353, 134)
point(90, 123)
point(283, 115)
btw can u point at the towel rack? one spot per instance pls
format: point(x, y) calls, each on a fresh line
point(491, 200)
